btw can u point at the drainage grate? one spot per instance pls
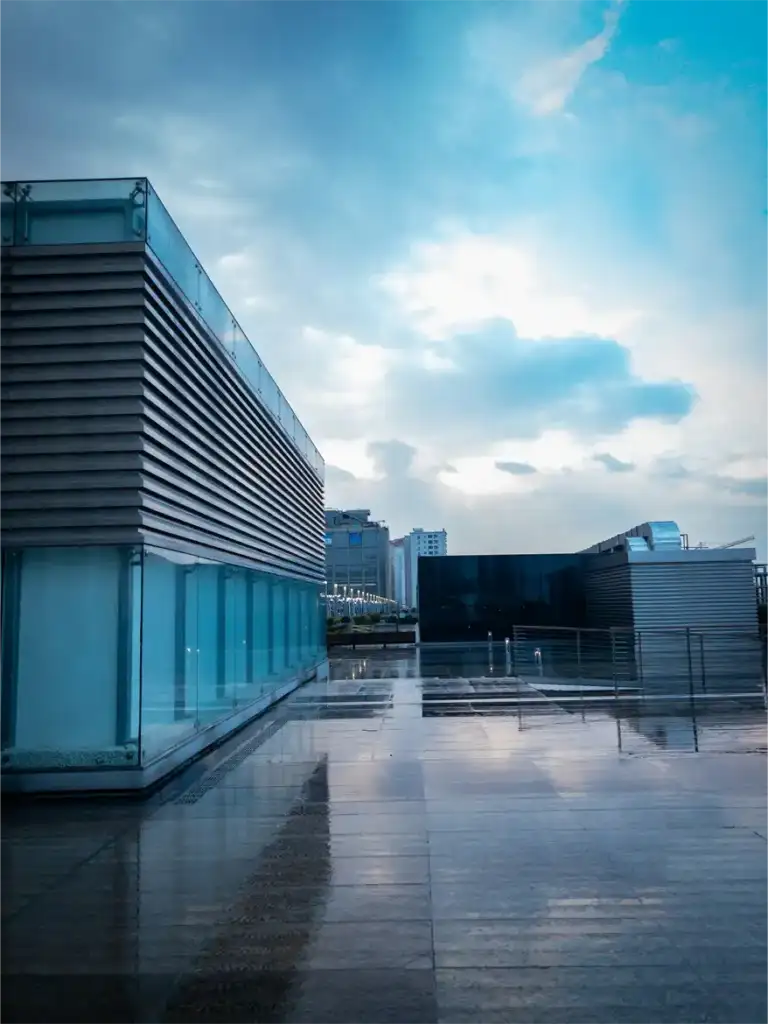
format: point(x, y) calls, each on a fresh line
point(212, 780)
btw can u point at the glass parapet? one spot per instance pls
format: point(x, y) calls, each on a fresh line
point(129, 210)
point(173, 251)
point(8, 211)
point(74, 212)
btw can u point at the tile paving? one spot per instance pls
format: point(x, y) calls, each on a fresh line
point(382, 848)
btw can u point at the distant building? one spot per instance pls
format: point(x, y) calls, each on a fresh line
point(397, 571)
point(420, 544)
point(661, 603)
point(356, 552)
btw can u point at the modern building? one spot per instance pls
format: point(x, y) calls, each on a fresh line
point(397, 571)
point(662, 600)
point(356, 552)
point(162, 506)
point(418, 544)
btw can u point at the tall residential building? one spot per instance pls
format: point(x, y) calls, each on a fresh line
point(356, 552)
point(162, 506)
point(397, 570)
point(420, 544)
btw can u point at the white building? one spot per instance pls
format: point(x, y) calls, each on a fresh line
point(397, 571)
point(420, 544)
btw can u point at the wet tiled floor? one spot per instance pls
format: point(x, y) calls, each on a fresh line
point(385, 847)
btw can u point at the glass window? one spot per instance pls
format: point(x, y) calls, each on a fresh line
point(279, 628)
point(211, 696)
point(168, 686)
point(235, 624)
point(261, 589)
point(70, 686)
point(465, 597)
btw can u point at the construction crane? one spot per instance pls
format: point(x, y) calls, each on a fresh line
point(702, 545)
point(735, 543)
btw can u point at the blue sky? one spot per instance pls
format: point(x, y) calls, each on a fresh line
point(506, 260)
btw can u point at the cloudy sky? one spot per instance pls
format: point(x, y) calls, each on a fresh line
point(506, 260)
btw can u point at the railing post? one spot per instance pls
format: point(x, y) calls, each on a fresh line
point(490, 650)
point(690, 659)
point(613, 665)
point(507, 657)
point(640, 657)
point(703, 667)
point(514, 650)
point(578, 652)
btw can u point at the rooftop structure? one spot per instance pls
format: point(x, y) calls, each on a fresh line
point(128, 210)
point(162, 530)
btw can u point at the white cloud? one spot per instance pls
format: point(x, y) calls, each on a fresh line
point(446, 287)
point(546, 87)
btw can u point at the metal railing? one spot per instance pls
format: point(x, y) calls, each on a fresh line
point(709, 661)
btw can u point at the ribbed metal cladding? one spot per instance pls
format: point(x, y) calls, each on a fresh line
point(694, 594)
point(72, 394)
point(609, 597)
point(125, 421)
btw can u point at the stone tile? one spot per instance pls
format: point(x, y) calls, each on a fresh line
point(514, 867)
point(380, 870)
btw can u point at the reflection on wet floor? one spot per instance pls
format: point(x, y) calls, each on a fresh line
point(403, 845)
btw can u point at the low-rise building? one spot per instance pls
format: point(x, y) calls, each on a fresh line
point(356, 552)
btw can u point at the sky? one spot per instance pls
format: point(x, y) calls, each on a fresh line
point(507, 261)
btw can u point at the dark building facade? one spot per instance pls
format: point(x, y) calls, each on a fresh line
point(644, 579)
point(638, 606)
point(162, 506)
point(464, 597)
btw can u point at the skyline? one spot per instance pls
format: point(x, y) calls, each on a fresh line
point(506, 261)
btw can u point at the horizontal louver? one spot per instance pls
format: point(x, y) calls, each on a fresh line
point(124, 420)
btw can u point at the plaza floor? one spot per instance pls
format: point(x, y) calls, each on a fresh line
point(387, 847)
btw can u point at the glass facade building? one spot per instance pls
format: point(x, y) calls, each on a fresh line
point(464, 597)
point(162, 505)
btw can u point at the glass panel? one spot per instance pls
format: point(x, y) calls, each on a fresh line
point(279, 636)
point(269, 392)
point(216, 314)
point(247, 359)
point(69, 685)
point(171, 248)
point(236, 625)
point(7, 211)
point(286, 416)
point(211, 702)
point(305, 625)
point(72, 212)
point(261, 645)
point(168, 693)
point(257, 669)
point(301, 439)
point(294, 612)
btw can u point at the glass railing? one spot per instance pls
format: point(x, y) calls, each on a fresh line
point(129, 210)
